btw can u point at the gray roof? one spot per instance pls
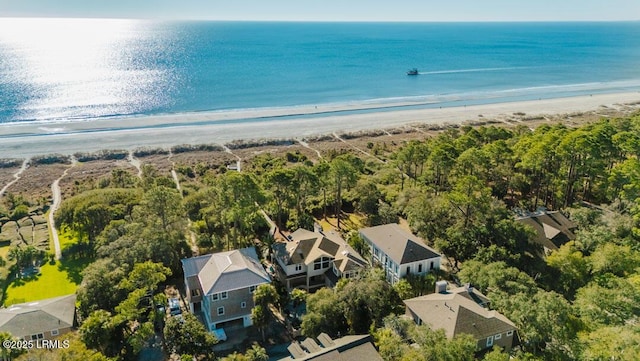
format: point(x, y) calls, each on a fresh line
point(401, 246)
point(347, 348)
point(456, 313)
point(552, 227)
point(226, 271)
point(306, 246)
point(31, 318)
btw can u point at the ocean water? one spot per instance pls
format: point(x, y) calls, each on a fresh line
point(81, 69)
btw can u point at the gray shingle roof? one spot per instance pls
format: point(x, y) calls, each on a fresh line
point(456, 314)
point(306, 246)
point(226, 271)
point(31, 318)
point(552, 227)
point(347, 348)
point(401, 246)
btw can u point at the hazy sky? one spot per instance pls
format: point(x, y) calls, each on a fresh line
point(332, 10)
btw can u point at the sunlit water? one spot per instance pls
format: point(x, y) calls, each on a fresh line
point(81, 69)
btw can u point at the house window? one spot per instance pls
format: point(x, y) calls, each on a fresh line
point(420, 268)
point(396, 269)
point(321, 263)
point(215, 297)
point(489, 341)
point(224, 295)
point(497, 337)
point(243, 305)
point(252, 289)
point(299, 267)
point(220, 311)
point(432, 265)
point(509, 333)
point(408, 269)
point(54, 333)
point(195, 293)
point(37, 336)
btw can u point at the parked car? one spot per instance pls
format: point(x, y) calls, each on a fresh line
point(174, 307)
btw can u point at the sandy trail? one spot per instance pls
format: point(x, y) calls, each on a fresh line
point(306, 145)
point(16, 176)
point(135, 162)
point(57, 200)
point(358, 149)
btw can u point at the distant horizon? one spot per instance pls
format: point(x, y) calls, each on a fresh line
point(333, 10)
point(316, 20)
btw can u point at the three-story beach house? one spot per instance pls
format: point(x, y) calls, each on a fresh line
point(310, 260)
point(399, 252)
point(221, 286)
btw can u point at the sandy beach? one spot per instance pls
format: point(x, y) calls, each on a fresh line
point(32, 139)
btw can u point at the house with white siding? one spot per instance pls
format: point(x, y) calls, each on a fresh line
point(399, 252)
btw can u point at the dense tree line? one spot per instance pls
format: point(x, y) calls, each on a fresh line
point(457, 190)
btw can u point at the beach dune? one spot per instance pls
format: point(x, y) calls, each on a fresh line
point(220, 127)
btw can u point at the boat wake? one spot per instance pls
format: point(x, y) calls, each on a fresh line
point(474, 70)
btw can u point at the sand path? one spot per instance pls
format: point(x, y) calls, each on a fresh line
point(135, 162)
point(16, 176)
point(358, 149)
point(193, 244)
point(57, 200)
point(306, 145)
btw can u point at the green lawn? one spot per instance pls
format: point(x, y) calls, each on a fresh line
point(66, 238)
point(59, 279)
point(52, 281)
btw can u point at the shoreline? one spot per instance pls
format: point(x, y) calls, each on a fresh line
point(222, 127)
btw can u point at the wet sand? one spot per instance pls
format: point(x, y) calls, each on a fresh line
point(220, 127)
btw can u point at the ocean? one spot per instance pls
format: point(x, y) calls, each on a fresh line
point(54, 70)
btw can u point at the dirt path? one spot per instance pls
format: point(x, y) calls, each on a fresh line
point(358, 149)
point(135, 162)
point(190, 233)
point(17, 175)
point(174, 175)
point(306, 145)
point(239, 160)
point(57, 200)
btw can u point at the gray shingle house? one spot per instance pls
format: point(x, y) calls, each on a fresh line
point(311, 260)
point(552, 228)
point(221, 286)
point(399, 252)
point(347, 348)
point(462, 310)
point(44, 319)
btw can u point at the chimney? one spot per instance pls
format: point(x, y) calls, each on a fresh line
point(441, 287)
